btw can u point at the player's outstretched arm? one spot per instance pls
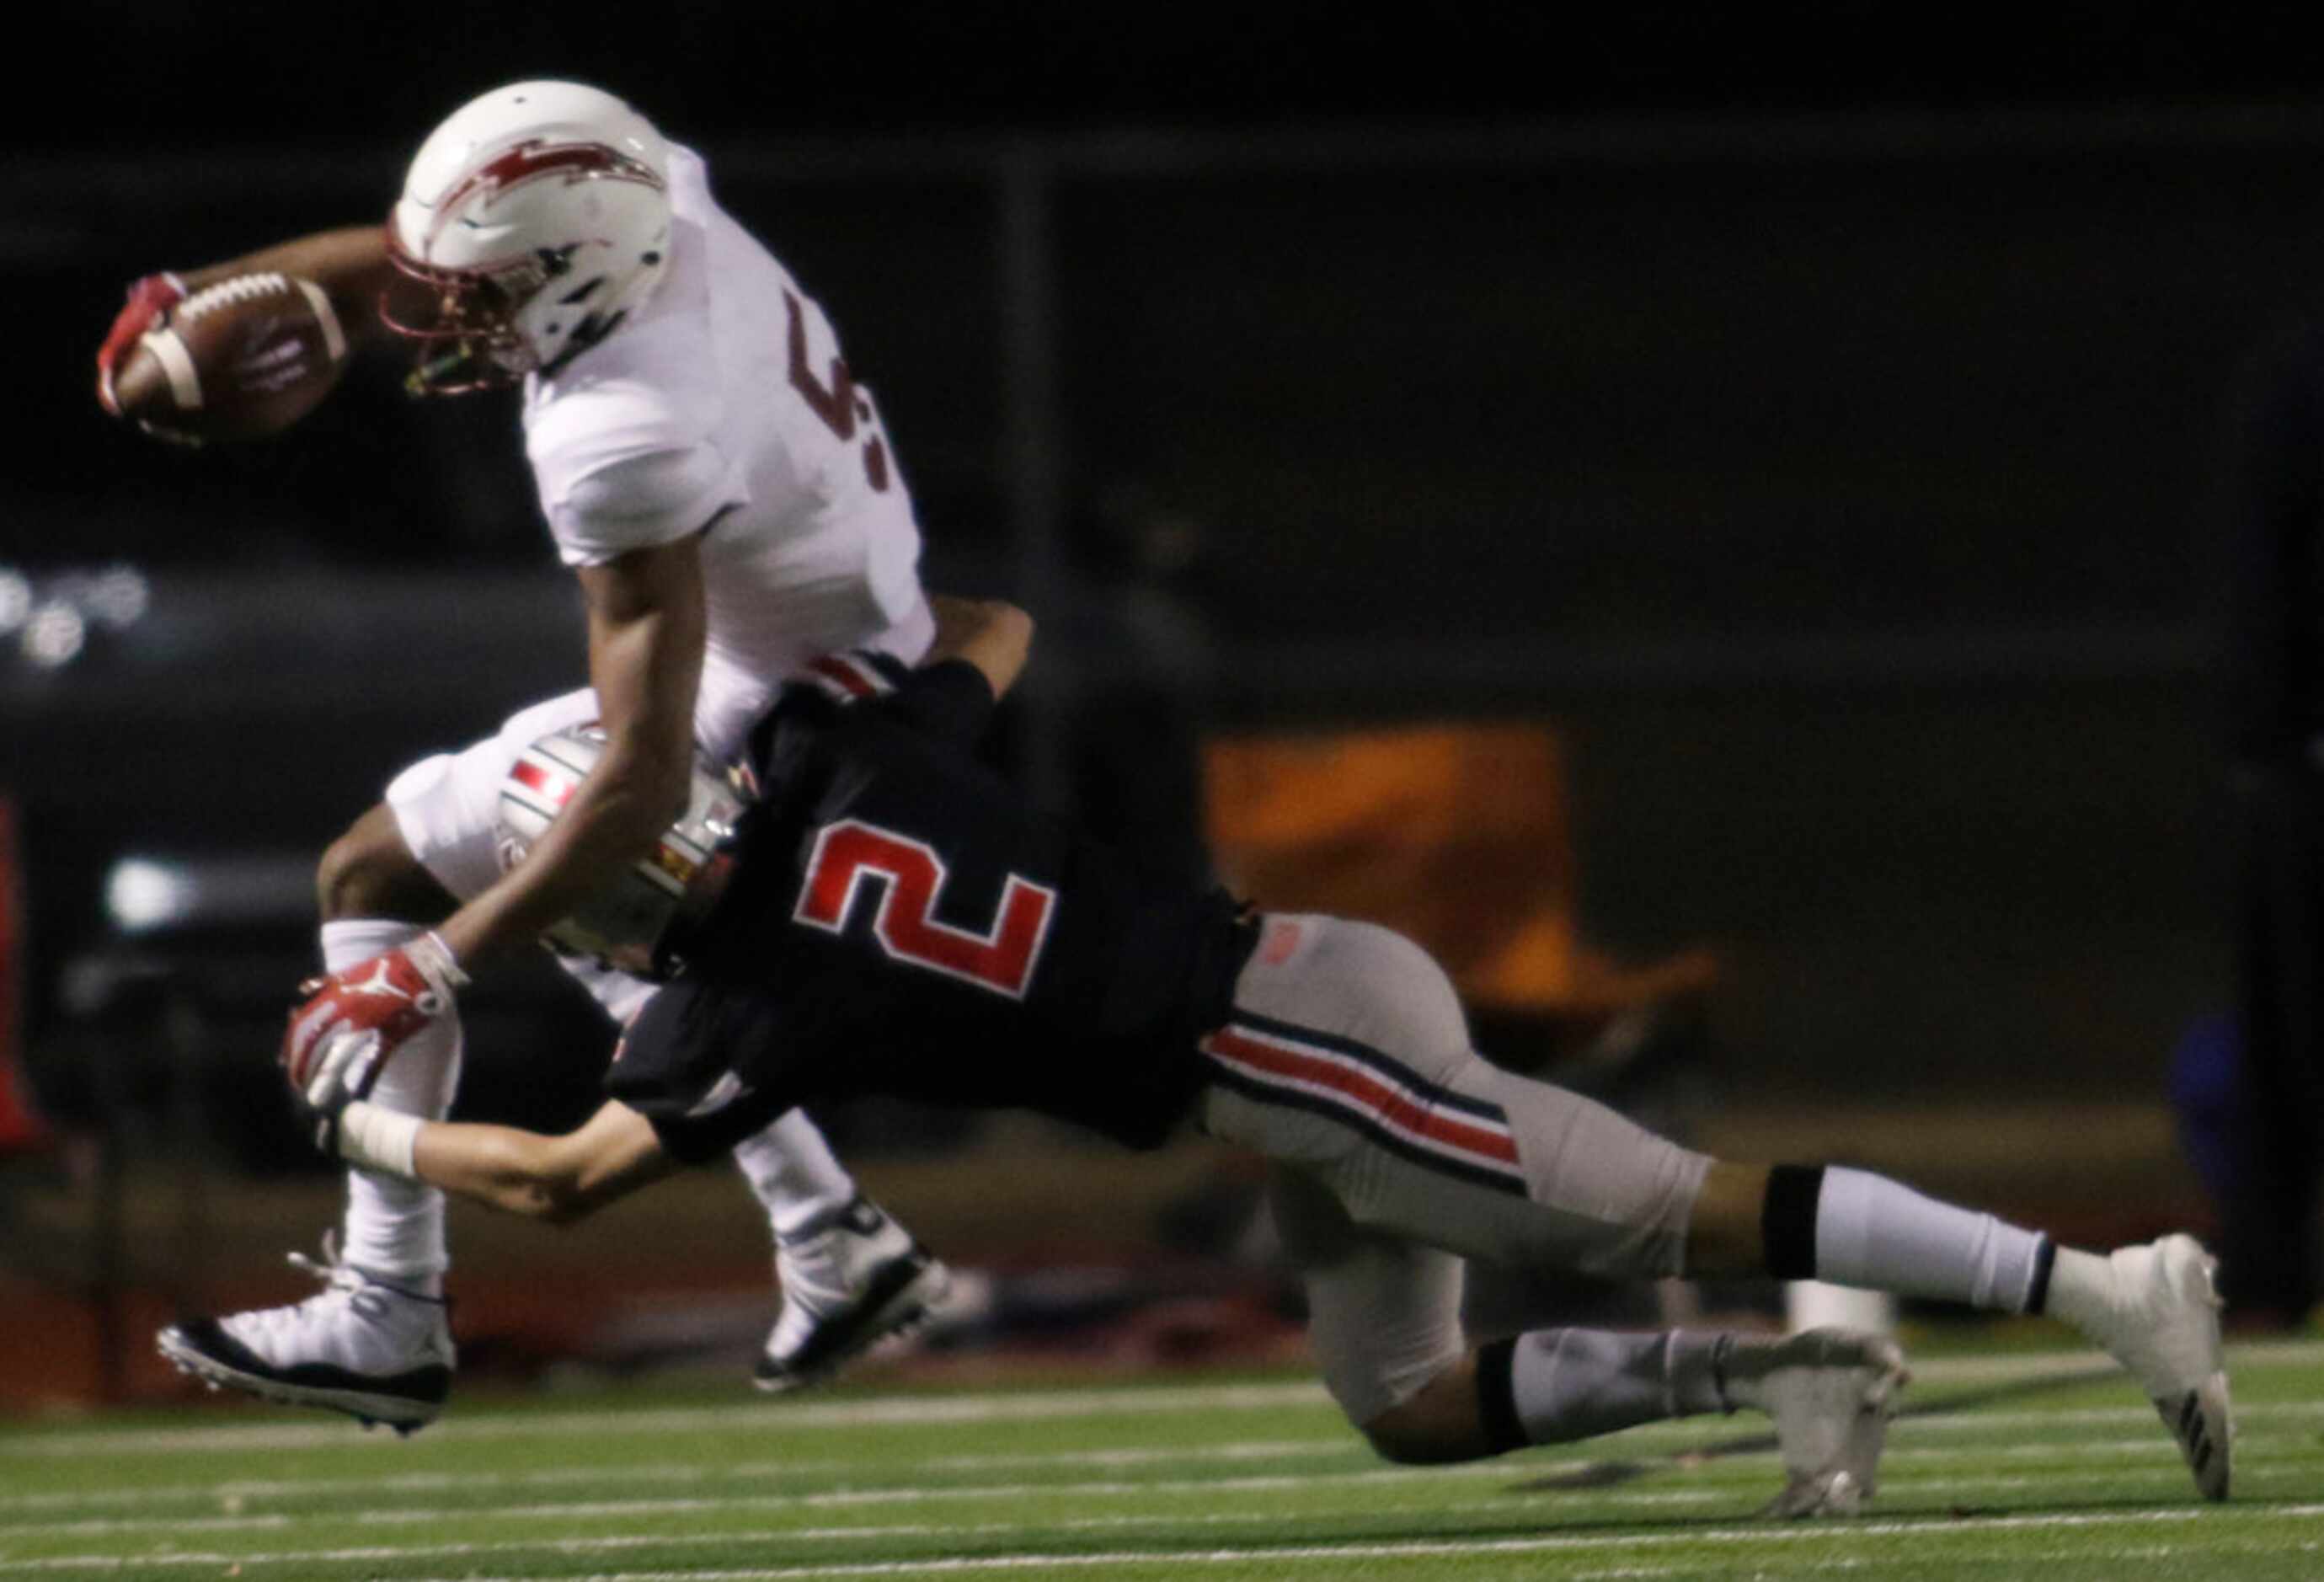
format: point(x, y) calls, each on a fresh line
point(349, 263)
point(558, 1180)
point(555, 1179)
point(645, 640)
point(991, 635)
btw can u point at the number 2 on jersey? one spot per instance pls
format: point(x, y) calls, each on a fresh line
point(841, 402)
point(911, 877)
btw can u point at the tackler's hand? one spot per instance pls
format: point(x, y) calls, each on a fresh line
point(150, 302)
point(392, 997)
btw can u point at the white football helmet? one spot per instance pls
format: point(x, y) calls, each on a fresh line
point(539, 215)
point(640, 921)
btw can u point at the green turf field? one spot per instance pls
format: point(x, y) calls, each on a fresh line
point(2006, 1464)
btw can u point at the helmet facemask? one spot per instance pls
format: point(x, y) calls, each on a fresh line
point(473, 342)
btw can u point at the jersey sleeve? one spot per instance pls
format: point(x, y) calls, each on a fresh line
point(950, 698)
point(622, 468)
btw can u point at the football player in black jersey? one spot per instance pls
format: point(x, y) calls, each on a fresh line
point(895, 921)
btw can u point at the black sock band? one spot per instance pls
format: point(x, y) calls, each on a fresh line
point(1497, 1398)
point(2037, 1292)
point(1788, 1220)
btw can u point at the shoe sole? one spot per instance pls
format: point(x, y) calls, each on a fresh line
point(2176, 1356)
point(1844, 1485)
point(899, 1312)
point(405, 1416)
point(2202, 1423)
point(2203, 1420)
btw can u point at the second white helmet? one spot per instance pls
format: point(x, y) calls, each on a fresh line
point(539, 216)
point(643, 917)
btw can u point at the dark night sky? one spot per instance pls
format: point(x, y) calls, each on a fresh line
point(259, 71)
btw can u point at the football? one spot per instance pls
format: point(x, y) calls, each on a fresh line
point(242, 359)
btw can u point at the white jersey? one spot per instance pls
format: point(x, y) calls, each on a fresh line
point(726, 399)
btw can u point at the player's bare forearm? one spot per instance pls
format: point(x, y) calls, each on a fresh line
point(646, 626)
point(349, 263)
point(991, 635)
point(558, 1180)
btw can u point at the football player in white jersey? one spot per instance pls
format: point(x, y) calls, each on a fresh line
point(724, 491)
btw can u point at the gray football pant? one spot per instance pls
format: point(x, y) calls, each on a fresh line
point(1401, 1153)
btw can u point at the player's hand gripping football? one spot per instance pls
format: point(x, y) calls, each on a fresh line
point(344, 1065)
point(148, 305)
point(352, 1023)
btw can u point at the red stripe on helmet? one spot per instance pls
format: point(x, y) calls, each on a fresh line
point(557, 788)
point(534, 158)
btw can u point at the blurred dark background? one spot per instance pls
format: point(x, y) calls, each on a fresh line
point(1813, 419)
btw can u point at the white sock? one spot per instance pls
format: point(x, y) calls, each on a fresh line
point(1873, 1233)
point(390, 1226)
point(2082, 1290)
point(1576, 1384)
point(793, 1173)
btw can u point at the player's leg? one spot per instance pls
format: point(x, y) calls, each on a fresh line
point(1347, 1054)
point(1385, 1325)
point(851, 1274)
point(374, 1342)
point(2154, 1305)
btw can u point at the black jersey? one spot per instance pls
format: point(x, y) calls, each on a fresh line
point(900, 922)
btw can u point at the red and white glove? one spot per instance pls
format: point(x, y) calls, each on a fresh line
point(150, 302)
point(393, 996)
point(344, 1065)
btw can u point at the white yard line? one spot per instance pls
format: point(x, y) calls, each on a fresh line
point(931, 1410)
point(1657, 1438)
point(915, 1411)
point(230, 1497)
point(1768, 1536)
point(683, 1472)
point(1830, 1532)
point(1521, 1477)
point(2146, 1555)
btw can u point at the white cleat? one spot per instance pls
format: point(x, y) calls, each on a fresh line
point(845, 1288)
point(2162, 1322)
point(377, 1352)
point(1831, 1392)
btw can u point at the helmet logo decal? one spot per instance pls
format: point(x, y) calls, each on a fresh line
point(536, 159)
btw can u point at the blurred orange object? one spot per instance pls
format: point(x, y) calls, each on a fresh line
point(1458, 835)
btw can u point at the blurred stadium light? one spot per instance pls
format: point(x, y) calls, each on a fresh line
point(151, 894)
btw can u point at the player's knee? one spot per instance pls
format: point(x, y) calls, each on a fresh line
point(1412, 1438)
point(1435, 1424)
point(369, 873)
point(1733, 1216)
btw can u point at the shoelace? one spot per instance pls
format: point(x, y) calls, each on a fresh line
point(343, 1283)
